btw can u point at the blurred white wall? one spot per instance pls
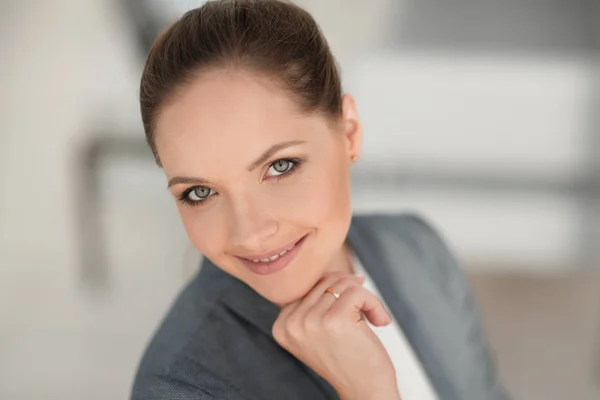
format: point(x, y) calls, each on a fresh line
point(521, 119)
point(64, 62)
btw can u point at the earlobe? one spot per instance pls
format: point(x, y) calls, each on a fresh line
point(352, 127)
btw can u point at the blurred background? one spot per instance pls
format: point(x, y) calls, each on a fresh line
point(481, 115)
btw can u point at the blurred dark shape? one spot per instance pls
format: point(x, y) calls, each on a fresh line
point(518, 26)
point(147, 20)
point(94, 269)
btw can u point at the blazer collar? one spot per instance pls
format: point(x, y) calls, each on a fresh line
point(261, 313)
point(384, 261)
point(249, 305)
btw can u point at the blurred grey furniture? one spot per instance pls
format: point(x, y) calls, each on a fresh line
point(536, 27)
point(92, 241)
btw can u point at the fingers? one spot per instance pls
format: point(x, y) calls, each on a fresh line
point(338, 281)
point(292, 318)
point(356, 300)
point(318, 311)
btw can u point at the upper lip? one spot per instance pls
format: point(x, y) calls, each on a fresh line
point(272, 253)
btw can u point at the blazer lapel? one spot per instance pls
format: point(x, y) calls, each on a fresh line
point(388, 265)
point(255, 309)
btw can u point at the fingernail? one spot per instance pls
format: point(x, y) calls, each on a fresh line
point(361, 278)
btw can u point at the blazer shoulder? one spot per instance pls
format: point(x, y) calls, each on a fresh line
point(422, 233)
point(184, 379)
point(412, 235)
point(412, 227)
point(166, 369)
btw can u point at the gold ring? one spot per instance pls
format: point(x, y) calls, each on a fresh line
point(333, 292)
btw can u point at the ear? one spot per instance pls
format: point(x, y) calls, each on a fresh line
point(351, 127)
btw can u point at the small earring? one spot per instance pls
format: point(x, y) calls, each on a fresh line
point(353, 157)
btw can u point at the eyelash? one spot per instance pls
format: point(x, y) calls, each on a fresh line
point(296, 163)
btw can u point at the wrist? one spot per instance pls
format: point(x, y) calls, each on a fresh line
point(391, 395)
point(379, 395)
point(387, 396)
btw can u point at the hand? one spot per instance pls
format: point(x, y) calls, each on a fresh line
point(331, 337)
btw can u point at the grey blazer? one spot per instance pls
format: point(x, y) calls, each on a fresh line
point(216, 341)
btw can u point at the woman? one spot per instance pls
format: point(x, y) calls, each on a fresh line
point(243, 109)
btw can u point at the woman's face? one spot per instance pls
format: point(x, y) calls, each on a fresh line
point(254, 177)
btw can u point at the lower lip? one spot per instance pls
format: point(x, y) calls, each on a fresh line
point(266, 268)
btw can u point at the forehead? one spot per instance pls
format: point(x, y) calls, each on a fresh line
point(228, 114)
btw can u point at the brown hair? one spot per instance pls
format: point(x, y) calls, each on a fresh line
point(270, 37)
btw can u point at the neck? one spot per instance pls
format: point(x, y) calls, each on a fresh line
point(341, 262)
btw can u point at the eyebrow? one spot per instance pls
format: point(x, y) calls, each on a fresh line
point(264, 157)
point(272, 150)
point(185, 179)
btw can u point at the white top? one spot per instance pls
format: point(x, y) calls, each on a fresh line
point(413, 383)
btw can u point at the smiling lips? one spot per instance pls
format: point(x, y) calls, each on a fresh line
point(268, 257)
point(268, 263)
point(273, 257)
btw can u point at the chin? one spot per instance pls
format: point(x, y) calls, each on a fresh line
point(283, 297)
point(287, 293)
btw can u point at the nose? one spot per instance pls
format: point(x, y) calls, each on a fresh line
point(251, 225)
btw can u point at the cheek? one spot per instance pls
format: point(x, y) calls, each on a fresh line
point(318, 197)
point(328, 192)
point(210, 242)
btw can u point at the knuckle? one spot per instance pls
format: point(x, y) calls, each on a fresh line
point(351, 284)
point(312, 324)
point(333, 324)
point(278, 332)
point(294, 327)
point(353, 291)
point(351, 280)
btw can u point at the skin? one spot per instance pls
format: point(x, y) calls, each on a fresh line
point(217, 127)
point(209, 138)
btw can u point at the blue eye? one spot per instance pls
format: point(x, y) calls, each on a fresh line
point(197, 195)
point(280, 167)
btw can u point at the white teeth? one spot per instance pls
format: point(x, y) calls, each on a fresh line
point(264, 260)
point(275, 257)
